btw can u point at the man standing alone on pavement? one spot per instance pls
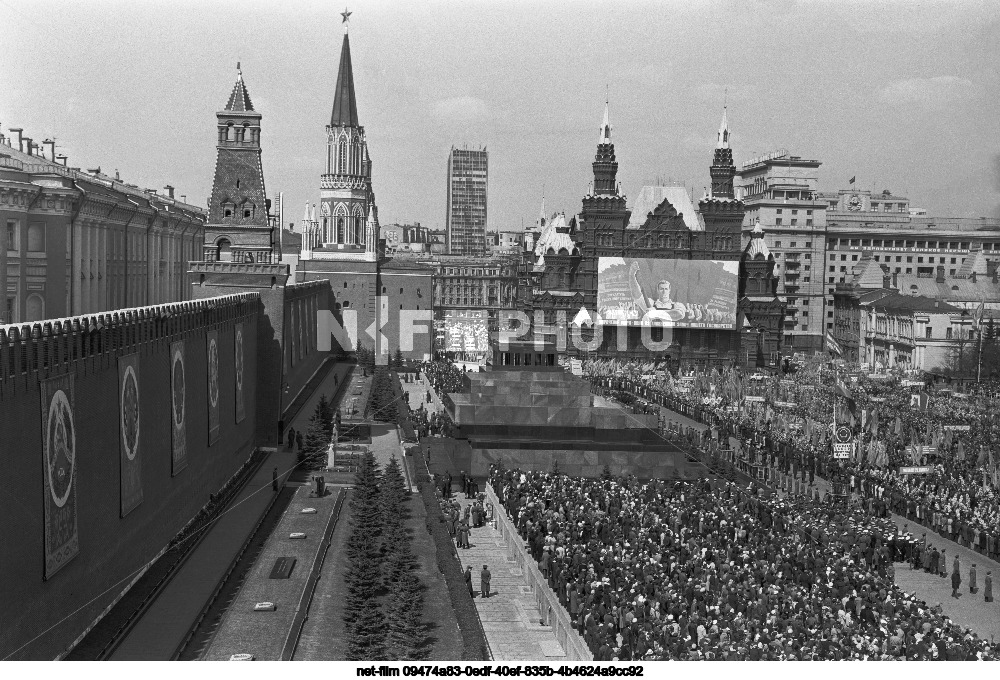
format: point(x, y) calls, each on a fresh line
point(484, 581)
point(988, 586)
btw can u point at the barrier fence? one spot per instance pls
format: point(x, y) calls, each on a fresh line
point(553, 613)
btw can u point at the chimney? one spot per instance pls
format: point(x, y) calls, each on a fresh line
point(895, 281)
point(991, 269)
point(886, 281)
point(170, 191)
point(17, 140)
point(940, 275)
point(973, 276)
point(184, 198)
point(937, 303)
point(49, 147)
point(61, 158)
point(28, 144)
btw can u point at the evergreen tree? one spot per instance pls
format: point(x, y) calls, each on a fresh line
point(606, 473)
point(315, 442)
point(366, 515)
point(362, 614)
point(325, 410)
point(405, 635)
point(397, 358)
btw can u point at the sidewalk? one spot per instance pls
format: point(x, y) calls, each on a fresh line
point(330, 385)
point(510, 616)
point(163, 627)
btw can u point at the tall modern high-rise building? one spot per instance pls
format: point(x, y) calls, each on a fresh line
point(465, 220)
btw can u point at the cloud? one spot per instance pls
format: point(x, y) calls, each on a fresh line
point(931, 92)
point(460, 110)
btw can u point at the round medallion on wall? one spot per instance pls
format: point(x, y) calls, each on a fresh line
point(130, 413)
point(213, 373)
point(239, 360)
point(178, 388)
point(60, 440)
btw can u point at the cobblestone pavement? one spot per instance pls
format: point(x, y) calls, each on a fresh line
point(509, 616)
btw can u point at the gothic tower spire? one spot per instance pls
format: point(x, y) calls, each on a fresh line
point(347, 201)
point(723, 170)
point(605, 165)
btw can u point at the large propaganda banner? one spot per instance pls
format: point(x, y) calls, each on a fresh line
point(670, 293)
point(178, 410)
point(238, 358)
point(466, 330)
point(212, 346)
point(129, 424)
point(62, 542)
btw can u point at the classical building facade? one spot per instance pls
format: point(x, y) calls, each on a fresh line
point(780, 192)
point(80, 242)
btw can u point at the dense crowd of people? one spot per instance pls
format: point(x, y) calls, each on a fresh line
point(674, 570)
point(789, 429)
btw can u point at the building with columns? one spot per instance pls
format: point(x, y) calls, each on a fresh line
point(82, 242)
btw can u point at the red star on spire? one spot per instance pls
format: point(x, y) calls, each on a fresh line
point(346, 15)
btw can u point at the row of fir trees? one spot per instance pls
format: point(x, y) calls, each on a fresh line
point(382, 614)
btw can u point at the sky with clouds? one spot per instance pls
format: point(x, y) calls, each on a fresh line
point(900, 94)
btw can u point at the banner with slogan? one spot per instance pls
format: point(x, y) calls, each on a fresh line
point(62, 541)
point(667, 292)
point(212, 382)
point(178, 408)
point(238, 381)
point(129, 427)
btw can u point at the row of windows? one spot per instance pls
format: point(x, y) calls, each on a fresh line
point(901, 243)
point(36, 236)
point(792, 222)
point(899, 258)
point(794, 211)
point(794, 244)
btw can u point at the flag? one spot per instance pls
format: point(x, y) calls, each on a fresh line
point(978, 317)
point(832, 345)
point(851, 181)
point(840, 389)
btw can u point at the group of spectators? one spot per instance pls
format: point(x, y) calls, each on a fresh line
point(708, 570)
point(958, 497)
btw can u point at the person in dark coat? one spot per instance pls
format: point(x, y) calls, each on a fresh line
point(956, 582)
point(988, 586)
point(468, 581)
point(298, 440)
point(484, 581)
point(973, 586)
point(291, 438)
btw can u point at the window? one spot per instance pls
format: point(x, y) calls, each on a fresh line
point(805, 279)
point(833, 257)
point(809, 222)
point(777, 244)
point(909, 258)
point(951, 272)
point(34, 308)
point(833, 268)
point(909, 270)
point(843, 258)
point(779, 211)
point(930, 332)
point(793, 244)
point(795, 212)
point(953, 260)
point(777, 222)
point(947, 333)
point(11, 305)
point(400, 291)
point(805, 327)
point(808, 212)
point(843, 269)
point(808, 255)
point(36, 238)
point(345, 284)
point(830, 281)
point(829, 314)
point(805, 312)
point(12, 229)
point(829, 326)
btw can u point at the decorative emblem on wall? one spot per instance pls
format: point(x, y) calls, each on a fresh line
point(178, 387)
point(238, 342)
point(60, 448)
point(130, 413)
point(213, 372)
